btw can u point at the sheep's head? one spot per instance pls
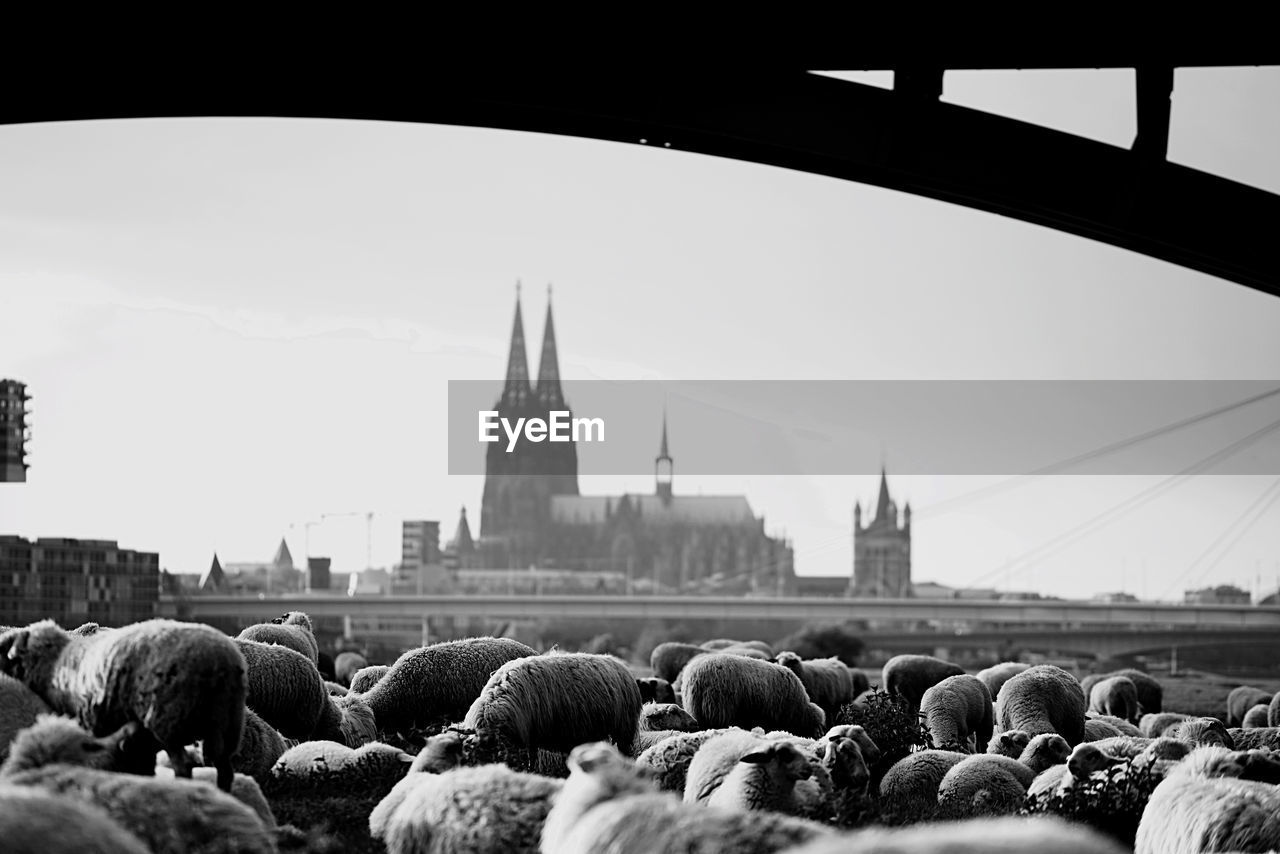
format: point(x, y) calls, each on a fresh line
point(1085, 759)
point(55, 740)
point(441, 753)
point(655, 717)
point(1260, 765)
point(845, 763)
point(28, 654)
point(791, 661)
point(607, 772)
point(782, 760)
point(294, 618)
point(1010, 743)
point(870, 751)
point(1049, 749)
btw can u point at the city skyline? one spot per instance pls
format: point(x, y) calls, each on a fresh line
point(231, 326)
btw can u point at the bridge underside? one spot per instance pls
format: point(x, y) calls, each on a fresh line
point(903, 139)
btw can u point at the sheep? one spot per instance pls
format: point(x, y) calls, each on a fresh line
point(910, 787)
point(983, 784)
point(335, 690)
point(1096, 730)
point(324, 663)
point(348, 664)
point(607, 805)
point(293, 630)
point(1153, 725)
point(1205, 803)
point(668, 760)
point(439, 754)
point(861, 683)
point(33, 821)
point(764, 779)
point(488, 808)
point(655, 690)
point(1043, 698)
point(19, 708)
point(847, 770)
point(1267, 738)
point(1150, 692)
point(715, 759)
point(366, 677)
point(727, 690)
point(1116, 696)
point(1202, 731)
point(260, 747)
point(910, 676)
point(181, 681)
point(556, 702)
point(659, 720)
point(347, 720)
point(958, 710)
point(1125, 727)
point(999, 835)
point(995, 676)
point(827, 681)
point(1243, 698)
point(1084, 760)
point(328, 764)
point(284, 687)
point(719, 644)
point(440, 681)
point(1256, 717)
point(244, 789)
point(668, 659)
point(1045, 751)
point(1010, 743)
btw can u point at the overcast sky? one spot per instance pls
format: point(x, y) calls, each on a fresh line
point(232, 326)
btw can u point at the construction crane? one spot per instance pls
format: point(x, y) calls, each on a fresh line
point(368, 542)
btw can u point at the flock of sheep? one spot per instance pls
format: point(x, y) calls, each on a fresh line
point(166, 736)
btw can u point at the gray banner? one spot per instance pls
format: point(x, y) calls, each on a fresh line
point(720, 427)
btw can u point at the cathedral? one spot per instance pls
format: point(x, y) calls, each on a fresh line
point(882, 549)
point(533, 516)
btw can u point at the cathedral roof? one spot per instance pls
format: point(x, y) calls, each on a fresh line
point(687, 509)
point(283, 558)
point(462, 541)
point(214, 578)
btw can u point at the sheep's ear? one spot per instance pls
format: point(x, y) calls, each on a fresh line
point(758, 756)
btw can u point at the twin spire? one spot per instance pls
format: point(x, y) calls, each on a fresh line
point(517, 390)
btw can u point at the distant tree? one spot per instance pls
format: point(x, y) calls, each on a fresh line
point(824, 641)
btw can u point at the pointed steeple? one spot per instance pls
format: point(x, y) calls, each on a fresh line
point(516, 391)
point(664, 466)
point(214, 579)
point(462, 541)
point(548, 389)
point(884, 506)
point(283, 558)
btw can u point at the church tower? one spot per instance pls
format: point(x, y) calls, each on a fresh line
point(882, 549)
point(663, 466)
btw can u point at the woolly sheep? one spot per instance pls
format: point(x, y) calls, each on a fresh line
point(1204, 804)
point(609, 805)
point(366, 677)
point(33, 821)
point(347, 720)
point(667, 762)
point(1256, 717)
point(658, 720)
point(956, 711)
point(1243, 698)
point(1125, 727)
point(330, 765)
point(293, 631)
point(910, 676)
point(19, 708)
point(348, 664)
point(910, 787)
point(668, 659)
point(1045, 751)
point(1043, 698)
point(489, 808)
point(1085, 760)
point(336, 690)
point(1096, 730)
point(764, 779)
point(1116, 696)
point(1153, 725)
point(260, 747)
point(556, 702)
point(1010, 743)
point(759, 646)
point(440, 681)
point(1273, 711)
point(719, 644)
point(181, 681)
point(1150, 691)
point(827, 681)
point(715, 759)
point(324, 663)
point(1267, 738)
point(861, 683)
point(285, 688)
point(727, 690)
point(656, 690)
point(1126, 746)
point(1202, 731)
point(995, 676)
point(1000, 835)
point(984, 783)
point(847, 770)
point(439, 754)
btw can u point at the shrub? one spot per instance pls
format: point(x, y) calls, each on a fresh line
point(824, 641)
point(1110, 801)
point(891, 724)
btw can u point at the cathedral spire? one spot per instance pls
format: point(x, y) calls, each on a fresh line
point(516, 391)
point(548, 390)
point(663, 465)
point(883, 504)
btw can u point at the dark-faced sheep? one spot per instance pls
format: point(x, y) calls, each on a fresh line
point(1043, 699)
point(728, 690)
point(654, 689)
point(909, 676)
point(182, 682)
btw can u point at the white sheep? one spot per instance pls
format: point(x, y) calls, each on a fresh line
point(727, 690)
point(983, 783)
point(1043, 699)
point(1085, 760)
point(33, 821)
point(1152, 725)
point(1002, 835)
point(1122, 726)
point(910, 787)
point(293, 630)
point(764, 779)
point(1116, 696)
point(284, 687)
point(827, 681)
point(330, 765)
point(910, 676)
point(19, 708)
point(667, 762)
point(607, 804)
point(366, 677)
point(1256, 717)
point(1010, 743)
point(958, 713)
point(1045, 751)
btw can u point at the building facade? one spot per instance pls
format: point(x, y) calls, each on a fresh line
point(882, 549)
point(14, 434)
point(76, 581)
point(532, 514)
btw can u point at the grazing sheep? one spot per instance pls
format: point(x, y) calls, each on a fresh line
point(668, 761)
point(1116, 696)
point(719, 644)
point(19, 708)
point(1096, 730)
point(1042, 699)
point(1243, 698)
point(1254, 738)
point(607, 805)
point(716, 758)
point(367, 677)
point(910, 788)
point(983, 784)
point(1010, 743)
point(1125, 727)
point(556, 702)
point(336, 690)
point(438, 682)
point(285, 689)
point(728, 690)
point(1150, 692)
point(958, 711)
point(827, 681)
point(1045, 751)
point(293, 630)
point(347, 665)
point(489, 808)
point(668, 659)
point(330, 765)
point(1084, 760)
point(1205, 803)
point(659, 720)
point(1001, 835)
point(347, 720)
point(764, 779)
point(1256, 717)
point(33, 821)
point(846, 768)
point(1201, 731)
point(182, 681)
point(260, 747)
point(440, 753)
point(656, 690)
point(1154, 725)
point(911, 675)
point(995, 676)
